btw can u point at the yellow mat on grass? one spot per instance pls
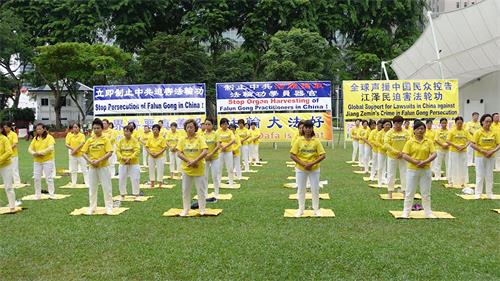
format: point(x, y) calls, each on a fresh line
point(368, 179)
point(170, 178)
point(351, 162)
point(398, 196)
point(163, 186)
point(55, 177)
point(290, 163)
point(45, 197)
point(420, 215)
point(235, 178)
point(6, 210)
point(439, 179)
point(360, 172)
point(98, 211)
point(226, 186)
point(77, 186)
point(483, 196)
point(250, 171)
point(374, 185)
point(294, 185)
point(496, 210)
point(192, 213)
point(325, 213)
point(131, 198)
point(227, 196)
point(21, 185)
point(290, 178)
point(469, 185)
point(324, 196)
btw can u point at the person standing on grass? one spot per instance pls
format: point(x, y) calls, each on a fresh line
point(42, 150)
point(419, 153)
point(254, 143)
point(368, 146)
point(226, 139)
point(372, 140)
point(458, 140)
point(236, 152)
point(173, 136)
point(361, 139)
point(307, 152)
point(6, 168)
point(156, 147)
point(355, 140)
point(143, 139)
point(495, 127)
point(192, 151)
point(12, 137)
point(212, 162)
point(382, 156)
point(74, 142)
point(486, 143)
point(394, 142)
point(244, 135)
point(472, 127)
point(440, 137)
point(127, 153)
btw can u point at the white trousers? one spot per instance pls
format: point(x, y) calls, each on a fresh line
point(112, 163)
point(47, 168)
point(442, 156)
point(16, 179)
point(129, 171)
point(254, 153)
point(100, 176)
point(484, 174)
point(367, 154)
point(175, 162)
point(226, 159)
point(74, 164)
point(414, 178)
point(470, 155)
point(362, 154)
point(458, 168)
point(6, 173)
point(145, 156)
point(392, 167)
point(237, 166)
point(374, 167)
point(301, 178)
point(187, 182)
point(382, 169)
point(355, 147)
point(244, 152)
point(157, 164)
point(213, 166)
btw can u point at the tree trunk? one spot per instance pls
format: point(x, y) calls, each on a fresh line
point(17, 95)
point(57, 108)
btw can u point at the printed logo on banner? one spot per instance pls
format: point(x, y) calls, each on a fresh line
point(273, 96)
point(157, 98)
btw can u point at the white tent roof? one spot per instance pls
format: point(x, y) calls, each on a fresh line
point(469, 40)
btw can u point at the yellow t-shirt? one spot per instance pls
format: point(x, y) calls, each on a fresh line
point(211, 140)
point(164, 132)
point(173, 138)
point(372, 138)
point(441, 136)
point(111, 135)
point(419, 150)
point(39, 145)
point(144, 137)
point(495, 127)
point(243, 133)
point(362, 133)
point(75, 141)
point(472, 127)
point(12, 137)
point(255, 134)
point(410, 131)
point(380, 142)
point(458, 137)
point(156, 144)
point(307, 151)
point(355, 132)
point(430, 135)
point(225, 137)
point(485, 140)
point(5, 151)
point(394, 142)
point(128, 149)
point(236, 145)
point(96, 147)
point(192, 148)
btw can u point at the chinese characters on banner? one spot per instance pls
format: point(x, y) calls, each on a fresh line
point(148, 99)
point(280, 127)
point(407, 98)
point(273, 96)
point(120, 121)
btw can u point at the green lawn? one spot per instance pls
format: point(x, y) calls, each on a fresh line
point(251, 240)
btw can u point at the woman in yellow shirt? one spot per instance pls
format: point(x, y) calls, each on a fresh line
point(236, 152)
point(394, 142)
point(355, 140)
point(127, 153)
point(226, 140)
point(212, 162)
point(74, 142)
point(6, 169)
point(362, 135)
point(440, 137)
point(307, 152)
point(42, 150)
point(495, 127)
point(244, 135)
point(486, 143)
point(254, 143)
point(156, 147)
point(143, 139)
point(458, 141)
point(368, 146)
point(372, 140)
point(419, 152)
point(472, 127)
point(192, 151)
point(12, 137)
point(97, 150)
point(299, 133)
point(173, 136)
point(382, 155)
point(111, 134)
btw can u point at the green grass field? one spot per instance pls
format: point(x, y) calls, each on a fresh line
point(251, 240)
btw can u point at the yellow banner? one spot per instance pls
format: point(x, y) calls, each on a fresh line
point(120, 121)
point(376, 99)
point(281, 127)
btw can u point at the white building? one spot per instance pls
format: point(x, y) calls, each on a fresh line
point(442, 6)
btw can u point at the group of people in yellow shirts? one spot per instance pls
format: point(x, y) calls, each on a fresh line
point(418, 152)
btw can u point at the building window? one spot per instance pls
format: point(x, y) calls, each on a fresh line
point(458, 5)
point(63, 101)
point(465, 4)
point(45, 102)
point(45, 119)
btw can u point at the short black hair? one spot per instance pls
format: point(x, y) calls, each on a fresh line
point(475, 113)
point(309, 124)
point(417, 125)
point(429, 121)
point(484, 118)
point(459, 118)
point(189, 121)
point(173, 124)
point(253, 124)
point(443, 119)
point(129, 128)
point(157, 127)
point(398, 119)
point(98, 122)
point(223, 121)
point(241, 121)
